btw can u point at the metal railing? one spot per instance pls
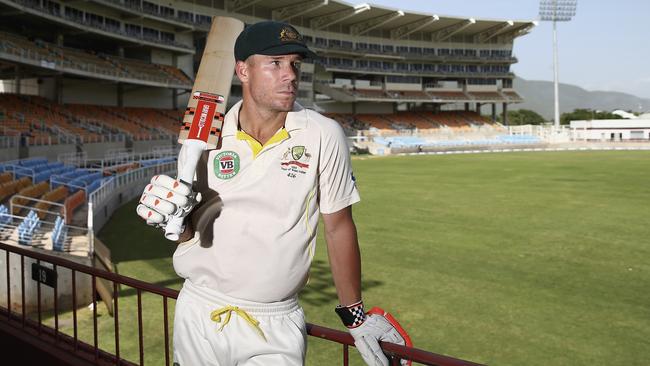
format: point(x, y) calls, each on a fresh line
point(93, 352)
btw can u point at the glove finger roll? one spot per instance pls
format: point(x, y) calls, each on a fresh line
point(151, 216)
point(157, 204)
point(171, 184)
point(166, 194)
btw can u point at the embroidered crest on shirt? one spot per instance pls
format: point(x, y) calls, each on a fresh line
point(226, 164)
point(295, 160)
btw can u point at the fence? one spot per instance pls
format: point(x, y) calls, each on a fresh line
point(45, 276)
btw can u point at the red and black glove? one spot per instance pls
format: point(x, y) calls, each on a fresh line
point(368, 329)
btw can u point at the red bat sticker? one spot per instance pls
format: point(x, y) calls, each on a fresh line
point(204, 114)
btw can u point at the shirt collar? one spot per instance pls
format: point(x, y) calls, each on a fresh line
point(296, 119)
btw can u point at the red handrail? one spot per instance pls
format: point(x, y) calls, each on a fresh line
point(393, 350)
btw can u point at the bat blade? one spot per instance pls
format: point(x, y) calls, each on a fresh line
point(212, 84)
point(203, 119)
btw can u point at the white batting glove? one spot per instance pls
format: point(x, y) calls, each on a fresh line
point(367, 331)
point(163, 197)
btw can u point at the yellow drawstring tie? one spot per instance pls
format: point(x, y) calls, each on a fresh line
point(228, 310)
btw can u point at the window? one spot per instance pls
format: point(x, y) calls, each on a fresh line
point(322, 42)
point(415, 67)
point(388, 48)
point(362, 46)
point(415, 50)
point(402, 49)
point(74, 14)
point(402, 67)
point(95, 20)
point(52, 7)
point(443, 51)
point(133, 29)
point(185, 16)
point(112, 24)
point(362, 63)
point(150, 33)
point(150, 7)
point(429, 51)
point(167, 36)
point(375, 64)
point(167, 12)
point(375, 47)
point(202, 19)
point(429, 67)
point(334, 43)
point(133, 4)
point(347, 45)
point(388, 65)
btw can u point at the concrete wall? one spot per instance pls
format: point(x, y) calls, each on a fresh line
point(9, 154)
point(64, 284)
point(51, 152)
point(146, 146)
point(89, 92)
point(98, 149)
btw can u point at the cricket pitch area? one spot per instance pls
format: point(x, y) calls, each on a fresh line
point(503, 259)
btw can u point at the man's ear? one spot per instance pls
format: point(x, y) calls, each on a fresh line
point(241, 69)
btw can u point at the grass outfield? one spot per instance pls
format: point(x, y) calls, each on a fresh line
point(504, 259)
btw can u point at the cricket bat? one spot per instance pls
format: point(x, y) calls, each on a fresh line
point(203, 119)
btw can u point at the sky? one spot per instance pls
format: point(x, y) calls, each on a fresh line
point(605, 47)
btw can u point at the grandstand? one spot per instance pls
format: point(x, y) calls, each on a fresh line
point(106, 74)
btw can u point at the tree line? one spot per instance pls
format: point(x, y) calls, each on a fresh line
point(528, 117)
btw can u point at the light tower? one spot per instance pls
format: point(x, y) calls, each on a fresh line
point(556, 11)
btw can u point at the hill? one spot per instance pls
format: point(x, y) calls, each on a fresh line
point(538, 96)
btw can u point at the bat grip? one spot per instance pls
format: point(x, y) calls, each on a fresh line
point(187, 160)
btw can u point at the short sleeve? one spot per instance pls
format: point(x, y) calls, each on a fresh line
point(337, 186)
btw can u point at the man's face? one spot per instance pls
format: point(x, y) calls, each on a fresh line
point(273, 80)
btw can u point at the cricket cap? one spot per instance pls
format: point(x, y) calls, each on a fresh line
point(270, 38)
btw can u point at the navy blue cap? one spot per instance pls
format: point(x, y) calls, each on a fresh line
point(270, 38)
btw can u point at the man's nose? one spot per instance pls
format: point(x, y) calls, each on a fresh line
point(291, 72)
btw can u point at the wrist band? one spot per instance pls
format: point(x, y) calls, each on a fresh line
point(353, 315)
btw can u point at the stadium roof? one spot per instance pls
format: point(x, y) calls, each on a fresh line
point(360, 19)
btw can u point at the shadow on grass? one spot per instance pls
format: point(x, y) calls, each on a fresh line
point(320, 289)
point(130, 239)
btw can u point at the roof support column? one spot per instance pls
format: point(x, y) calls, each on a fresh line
point(17, 79)
point(494, 112)
point(505, 114)
point(120, 94)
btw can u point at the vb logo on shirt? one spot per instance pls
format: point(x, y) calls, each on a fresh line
point(226, 164)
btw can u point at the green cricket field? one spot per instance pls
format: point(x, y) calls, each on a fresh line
point(502, 258)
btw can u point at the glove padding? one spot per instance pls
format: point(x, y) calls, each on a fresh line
point(367, 336)
point(163, 197)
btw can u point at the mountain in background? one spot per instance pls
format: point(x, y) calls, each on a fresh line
point(538, 96)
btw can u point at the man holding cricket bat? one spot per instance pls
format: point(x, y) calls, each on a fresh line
point(277, 168)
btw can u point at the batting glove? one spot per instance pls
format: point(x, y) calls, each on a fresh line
point(163, 197)
point(367, 330)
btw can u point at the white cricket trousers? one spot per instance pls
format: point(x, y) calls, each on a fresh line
point(213, 329)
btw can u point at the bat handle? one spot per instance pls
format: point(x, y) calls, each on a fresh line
point(187, 160)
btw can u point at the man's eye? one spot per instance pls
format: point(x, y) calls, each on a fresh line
point(297, 65)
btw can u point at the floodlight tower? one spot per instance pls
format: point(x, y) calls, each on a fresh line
point(556, 11)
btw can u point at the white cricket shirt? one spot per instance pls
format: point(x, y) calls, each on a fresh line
point(265, 235)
